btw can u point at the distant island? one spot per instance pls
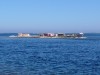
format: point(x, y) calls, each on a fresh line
point(50, 35)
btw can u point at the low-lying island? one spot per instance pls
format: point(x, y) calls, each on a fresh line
point(50, 35)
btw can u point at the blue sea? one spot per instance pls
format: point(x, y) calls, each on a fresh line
point(36, 56)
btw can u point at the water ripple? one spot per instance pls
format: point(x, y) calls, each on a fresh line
point(28, 56)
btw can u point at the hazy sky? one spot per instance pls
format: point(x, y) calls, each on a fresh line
point(49, 16)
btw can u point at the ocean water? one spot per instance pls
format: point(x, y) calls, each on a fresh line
point(34, 56)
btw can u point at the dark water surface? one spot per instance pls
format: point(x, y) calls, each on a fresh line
point(32, 56)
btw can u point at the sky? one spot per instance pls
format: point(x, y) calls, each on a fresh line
point(36, 16)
